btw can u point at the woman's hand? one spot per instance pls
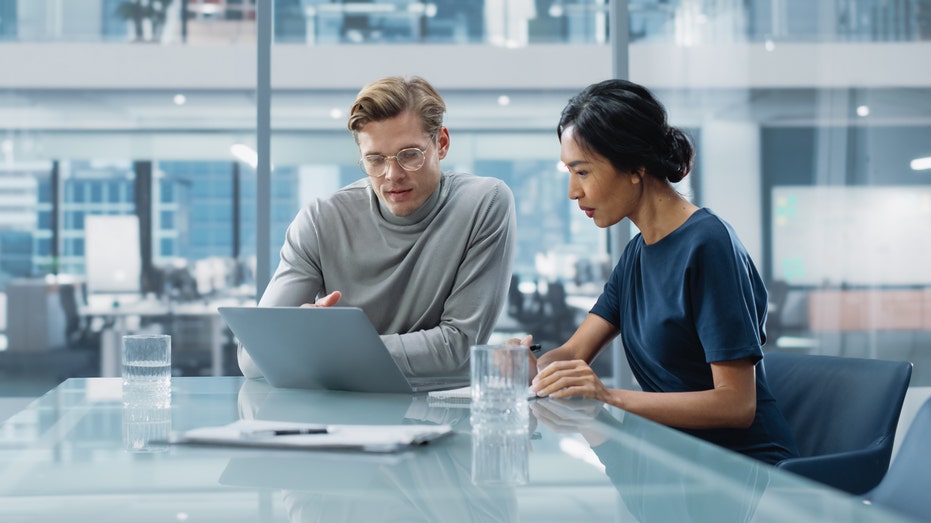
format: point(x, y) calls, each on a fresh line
point(570, 417)
point(526, 341)
point(569, 378)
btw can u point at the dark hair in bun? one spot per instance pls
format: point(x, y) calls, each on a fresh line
point(626, 124)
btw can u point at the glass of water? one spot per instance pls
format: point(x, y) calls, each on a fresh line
point(500, 384)
point(147, 370)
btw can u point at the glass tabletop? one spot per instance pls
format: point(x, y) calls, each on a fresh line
point(77, 453)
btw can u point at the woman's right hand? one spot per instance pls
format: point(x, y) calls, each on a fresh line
point(569, 378)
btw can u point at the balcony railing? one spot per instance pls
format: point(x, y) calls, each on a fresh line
point(497, 22)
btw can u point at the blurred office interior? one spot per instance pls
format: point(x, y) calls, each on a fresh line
point(131, 187)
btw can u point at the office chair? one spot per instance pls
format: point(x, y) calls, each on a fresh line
point(907, 484)
point(778, 293)
point(557, 323)
point(843, 413)
point(78, 334)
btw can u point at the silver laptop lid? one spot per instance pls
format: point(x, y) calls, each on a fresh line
point(334, 348)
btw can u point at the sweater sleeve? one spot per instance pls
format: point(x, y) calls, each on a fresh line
point(477, 297)
point(298, 279)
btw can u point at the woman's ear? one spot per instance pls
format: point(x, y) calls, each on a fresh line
point(638, 175)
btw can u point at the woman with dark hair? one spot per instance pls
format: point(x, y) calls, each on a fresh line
point(685, 297)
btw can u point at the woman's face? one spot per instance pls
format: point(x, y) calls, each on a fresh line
point(604, 194)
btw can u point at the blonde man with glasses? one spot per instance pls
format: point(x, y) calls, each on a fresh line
point(426, 254)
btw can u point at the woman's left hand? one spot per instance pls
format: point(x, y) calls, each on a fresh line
point(569, 378)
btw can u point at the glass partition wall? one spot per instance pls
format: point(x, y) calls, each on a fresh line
point(811, 122)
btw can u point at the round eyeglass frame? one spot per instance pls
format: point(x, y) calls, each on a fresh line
point(423, 159)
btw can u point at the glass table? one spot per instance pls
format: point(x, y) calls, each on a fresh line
point(77, 454)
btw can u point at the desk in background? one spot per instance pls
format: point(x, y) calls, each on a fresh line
point(835, 314)
point(63, 459)
point(864, 310)
point(123, 318)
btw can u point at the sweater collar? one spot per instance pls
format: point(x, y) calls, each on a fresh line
point(417, 216)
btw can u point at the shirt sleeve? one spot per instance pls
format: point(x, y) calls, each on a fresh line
point(726, 297)
point(477, 297)
point(297, 280)
point(608, 305)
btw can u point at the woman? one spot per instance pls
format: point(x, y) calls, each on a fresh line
point(685, 296)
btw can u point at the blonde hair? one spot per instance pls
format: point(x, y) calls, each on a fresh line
point(391, 96)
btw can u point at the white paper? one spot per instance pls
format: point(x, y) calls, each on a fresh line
point(369, 438)
point(464, 393)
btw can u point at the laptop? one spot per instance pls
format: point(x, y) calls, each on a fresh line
point(332, 348)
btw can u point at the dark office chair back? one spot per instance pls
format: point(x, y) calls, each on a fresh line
point(843, 413)
point(907, 485)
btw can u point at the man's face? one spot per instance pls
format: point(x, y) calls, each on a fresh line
point(401, 191)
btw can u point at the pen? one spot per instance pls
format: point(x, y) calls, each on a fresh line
point(536, 348)
point(284, 432)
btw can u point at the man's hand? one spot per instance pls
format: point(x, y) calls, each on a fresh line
point(327, 301)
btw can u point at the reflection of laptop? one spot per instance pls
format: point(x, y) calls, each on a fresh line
point(334, 348)
point(287, 470)
point(259, 400)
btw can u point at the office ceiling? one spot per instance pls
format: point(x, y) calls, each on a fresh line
point(91, 111)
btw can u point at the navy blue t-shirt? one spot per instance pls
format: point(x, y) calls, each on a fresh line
point(691, 299)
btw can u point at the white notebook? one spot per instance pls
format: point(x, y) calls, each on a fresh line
point(277, 434)
point(464, 393)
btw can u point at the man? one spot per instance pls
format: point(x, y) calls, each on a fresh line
point(426, 254)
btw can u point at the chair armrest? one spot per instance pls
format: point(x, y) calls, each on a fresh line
point(855, 472)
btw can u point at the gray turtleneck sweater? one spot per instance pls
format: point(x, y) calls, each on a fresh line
point(432, 283)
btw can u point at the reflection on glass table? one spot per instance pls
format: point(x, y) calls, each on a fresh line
point(654, 491)
point(71, 456)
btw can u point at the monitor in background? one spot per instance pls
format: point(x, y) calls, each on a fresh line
point(851, 235)
point(113, 262)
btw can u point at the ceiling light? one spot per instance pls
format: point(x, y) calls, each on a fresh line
point(180, 99)
point(921, 164)
point(863, 110)
point(504, 100)
point(769, 45)
point(335, 113)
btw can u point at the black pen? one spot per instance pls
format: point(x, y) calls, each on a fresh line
point(284, 432)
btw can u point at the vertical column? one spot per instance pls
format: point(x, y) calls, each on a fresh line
point(263, 146)
point(237, 276)
point(832, 149)
point(619, 234)
point(184, 16)
point(54, 218)
point(142, 195)
point(731, 183)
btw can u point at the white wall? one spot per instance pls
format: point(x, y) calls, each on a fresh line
point(731, 180)
point(742, 65)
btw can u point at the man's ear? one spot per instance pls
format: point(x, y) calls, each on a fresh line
point(442, 142)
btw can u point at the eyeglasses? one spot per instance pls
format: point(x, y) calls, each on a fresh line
point(376, 165)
